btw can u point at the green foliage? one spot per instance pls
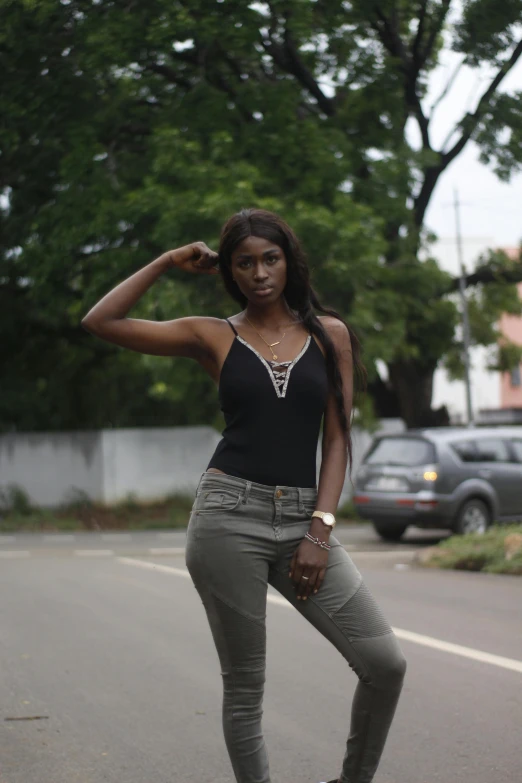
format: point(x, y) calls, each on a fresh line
point(499, 135)
point(487, 28)
point(475, 552)
point(486, 305)
point(79, 512)
point(132, 128)
point(14, 499)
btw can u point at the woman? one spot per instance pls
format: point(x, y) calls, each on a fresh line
point(259, 517)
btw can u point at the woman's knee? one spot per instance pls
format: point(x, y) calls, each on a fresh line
point(392, 668)
point(382, 660)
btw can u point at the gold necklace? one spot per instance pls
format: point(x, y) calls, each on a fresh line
point(263, 339)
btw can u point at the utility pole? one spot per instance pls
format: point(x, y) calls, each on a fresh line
point(464, 305)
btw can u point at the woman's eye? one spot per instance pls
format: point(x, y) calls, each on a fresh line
point(272, 258)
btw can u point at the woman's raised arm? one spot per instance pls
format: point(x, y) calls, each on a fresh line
point(180, 337)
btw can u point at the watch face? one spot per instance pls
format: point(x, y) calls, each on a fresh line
point(329, 519)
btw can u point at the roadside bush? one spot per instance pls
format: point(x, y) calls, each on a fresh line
point(475, 552)
point(15, 500)
point(79, 512)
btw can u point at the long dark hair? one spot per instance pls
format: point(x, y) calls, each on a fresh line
point(299, 294)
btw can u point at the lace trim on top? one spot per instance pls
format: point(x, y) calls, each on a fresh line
point(279, 378)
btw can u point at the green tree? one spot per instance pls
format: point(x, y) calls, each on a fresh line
point(131, 127)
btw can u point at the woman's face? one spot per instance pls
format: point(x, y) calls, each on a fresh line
point(259, 269)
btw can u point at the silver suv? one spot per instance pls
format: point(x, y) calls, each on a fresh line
point(460, 478)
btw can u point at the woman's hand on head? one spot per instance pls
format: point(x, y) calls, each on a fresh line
point(308, 560)
point(196, 258)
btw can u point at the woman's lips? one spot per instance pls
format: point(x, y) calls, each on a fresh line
point(262, 291)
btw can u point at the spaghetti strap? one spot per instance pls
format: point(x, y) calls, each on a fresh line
point(231, 325)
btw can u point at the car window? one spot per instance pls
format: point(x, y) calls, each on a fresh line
point(492, 450)
point(517, 448)
point(401, 451)
point(466, 450)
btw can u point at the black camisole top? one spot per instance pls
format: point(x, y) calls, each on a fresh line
point(273, 415)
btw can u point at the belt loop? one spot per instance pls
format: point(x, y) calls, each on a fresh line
point(246, 493)
point(300, 499)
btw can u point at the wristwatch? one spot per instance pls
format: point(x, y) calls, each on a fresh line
point(327, 518)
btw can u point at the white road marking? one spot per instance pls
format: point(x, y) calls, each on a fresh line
point(409, 636)
point(10, 553)
point(458, 649)
point(154, 566)
point(94, 552)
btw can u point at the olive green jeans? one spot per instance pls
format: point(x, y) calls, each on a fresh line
point(240, 538)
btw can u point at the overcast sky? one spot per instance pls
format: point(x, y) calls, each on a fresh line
point(491, 210)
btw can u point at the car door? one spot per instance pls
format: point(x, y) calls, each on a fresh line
point(516, 448)
point(496, 464)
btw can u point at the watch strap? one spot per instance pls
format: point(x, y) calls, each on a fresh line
point(321, 514)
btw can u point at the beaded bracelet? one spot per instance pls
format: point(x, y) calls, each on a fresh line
point(322, 544)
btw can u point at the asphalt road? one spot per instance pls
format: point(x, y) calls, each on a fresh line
point(109, 673)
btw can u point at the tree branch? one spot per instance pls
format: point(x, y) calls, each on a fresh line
point(422, 120)
point(415, 50)
point(390, 38)
point(435, 30)
point(470, 121)
point(169, 74)
point(286, 57)
point(447, 88)
point(431, 175)
point(485, 274)
point(393, 43)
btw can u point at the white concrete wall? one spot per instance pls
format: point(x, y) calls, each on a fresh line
point(49, 465)
point(154, 462)
point(110, 465)
point(485, 388)
point(107, 465)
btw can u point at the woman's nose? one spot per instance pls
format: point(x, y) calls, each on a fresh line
point(260, 272)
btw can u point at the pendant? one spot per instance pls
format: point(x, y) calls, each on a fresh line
point(272, 344)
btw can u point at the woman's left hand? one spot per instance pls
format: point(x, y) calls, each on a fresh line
point(308, 560)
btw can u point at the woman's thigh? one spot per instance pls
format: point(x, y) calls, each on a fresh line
point(346, 613)
point(228, 550)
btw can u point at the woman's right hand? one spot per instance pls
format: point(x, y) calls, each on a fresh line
point(197, 258)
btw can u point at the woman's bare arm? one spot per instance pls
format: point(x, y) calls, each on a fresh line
point(180, 337)
point(334, 458)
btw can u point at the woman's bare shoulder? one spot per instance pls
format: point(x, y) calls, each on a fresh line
point(211, 331)
point(332, 324)
point(338, 332)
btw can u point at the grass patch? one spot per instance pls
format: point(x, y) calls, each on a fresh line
point(80, 513)
point(474, 552)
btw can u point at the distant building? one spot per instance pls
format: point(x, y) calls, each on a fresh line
point(495, 397)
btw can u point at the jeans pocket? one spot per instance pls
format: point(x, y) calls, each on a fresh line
point(212, 501)
point(309, 507)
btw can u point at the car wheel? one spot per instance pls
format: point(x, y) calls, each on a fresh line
point(474, 516)
point(390, 532)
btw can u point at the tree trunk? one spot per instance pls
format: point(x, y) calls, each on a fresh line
point(413, 385)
